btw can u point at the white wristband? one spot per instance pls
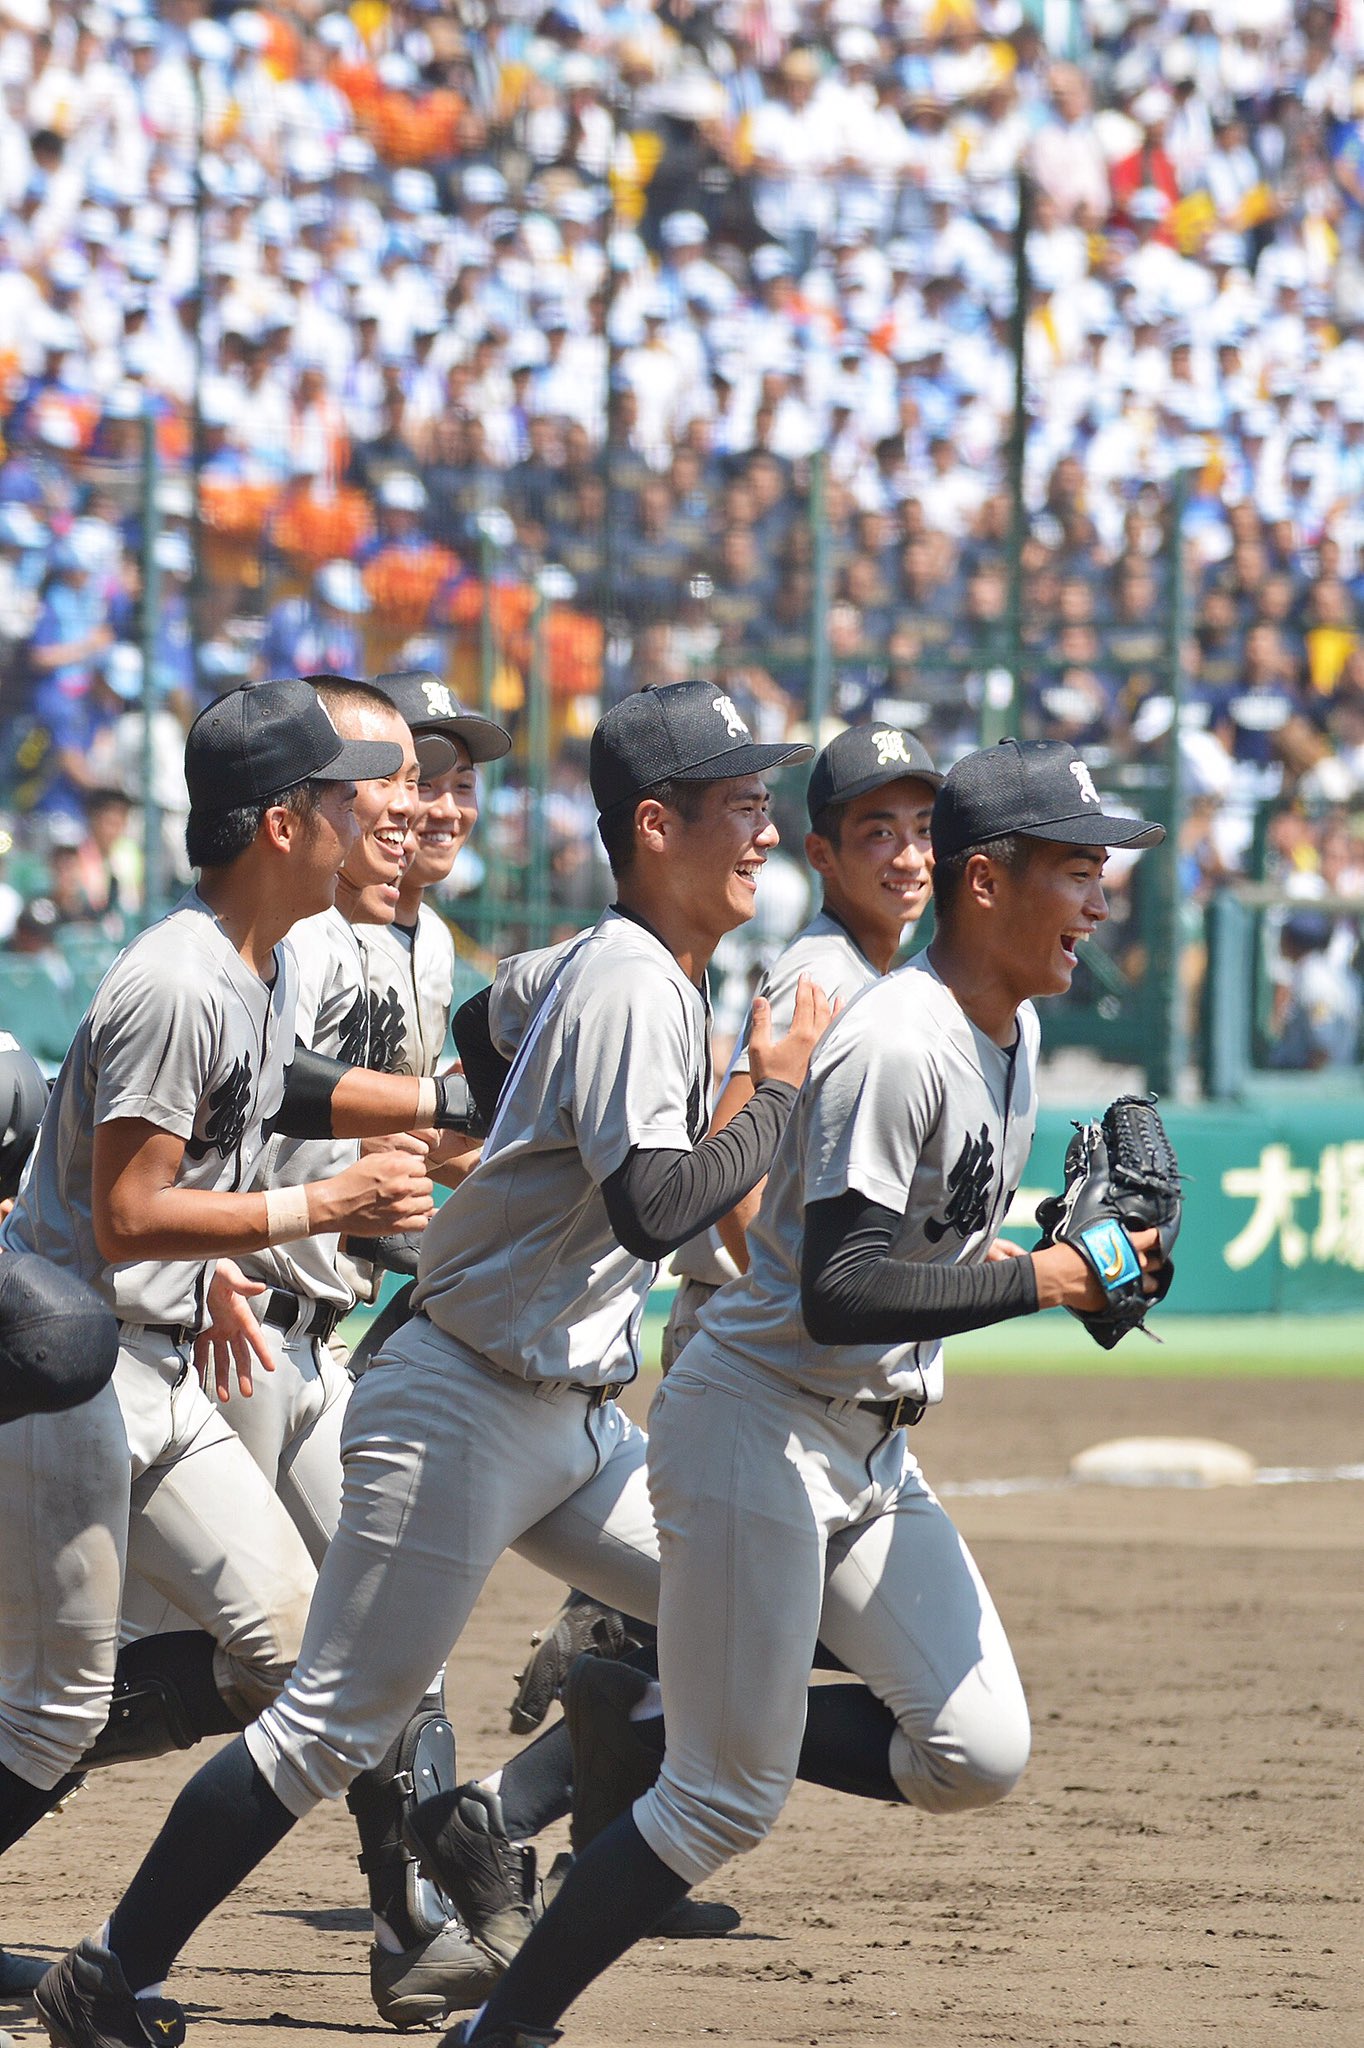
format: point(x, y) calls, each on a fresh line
point(286, 1214)
point(427, 1102)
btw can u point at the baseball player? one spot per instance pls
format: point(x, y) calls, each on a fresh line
point(870, 798)
point(787, 1500)
point(489, 1421)
point(136, 1185)
point(355, 1010)
point(414, 951)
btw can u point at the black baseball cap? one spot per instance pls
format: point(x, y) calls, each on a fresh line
point(435, 715)
point(1038, 788)
point(862, 758)
point(266, 737)
point(683, 732)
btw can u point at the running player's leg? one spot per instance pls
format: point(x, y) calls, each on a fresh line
point(309, 1481)
point(906, 1608)
point(209, 1532)
point(64, 1485)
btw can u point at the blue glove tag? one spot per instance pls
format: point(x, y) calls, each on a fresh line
point(1109, 1250)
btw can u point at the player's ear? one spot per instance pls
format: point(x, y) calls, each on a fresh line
point(981, 880)
point(280, 827)
point(819, 853)
point(651, 824)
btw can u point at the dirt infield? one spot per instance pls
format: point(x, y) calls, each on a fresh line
point(1181, 1867)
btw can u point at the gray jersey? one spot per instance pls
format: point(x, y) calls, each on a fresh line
point(910, 1105)
point(333, 1017)
point(181, 1034)
point(419, 965)
point(612, 1052)
point(825, 950)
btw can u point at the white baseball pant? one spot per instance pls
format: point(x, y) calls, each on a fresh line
point(783, 1518)
point(146, 1477)
point(447, 1463)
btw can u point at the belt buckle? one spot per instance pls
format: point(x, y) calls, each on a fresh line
point(599, 1396)
point(902, 1413)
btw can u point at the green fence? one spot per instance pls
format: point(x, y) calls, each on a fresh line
point(1274, 1202)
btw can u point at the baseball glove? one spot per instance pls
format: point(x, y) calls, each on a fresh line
point(1121, 1177)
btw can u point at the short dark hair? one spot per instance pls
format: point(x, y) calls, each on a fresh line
point(1013, 850)
point(339, 693)
point(617, 826)
point(827, 823)
point(214, 839)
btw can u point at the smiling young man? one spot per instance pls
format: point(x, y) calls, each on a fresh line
point(789, 1505)
point(870, 800)
point(141, 1180)
point(488, 1422)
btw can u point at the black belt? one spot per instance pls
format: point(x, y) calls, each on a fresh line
point(597, 1397)
point(901, 1414)
point(177, 1333)
point(283, 1309)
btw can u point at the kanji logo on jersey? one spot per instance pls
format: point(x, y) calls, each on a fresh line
point(352, 1036)
point(387, 1031)
point(969, 1182)
point(228, 1106)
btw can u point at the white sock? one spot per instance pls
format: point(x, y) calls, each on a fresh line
point(649, 1705)
point(491, 1784)
point(152, 1990)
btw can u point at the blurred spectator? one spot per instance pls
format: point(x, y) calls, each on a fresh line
point(1318, 1003)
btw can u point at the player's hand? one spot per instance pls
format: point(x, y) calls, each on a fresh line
point(418, 1143)
point(788, 1059)
point(1065, 1278)
point(1001, 1248)
point(383, 1194)
point(233, 1343)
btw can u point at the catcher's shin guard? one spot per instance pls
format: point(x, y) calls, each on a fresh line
point(165, 1697)
point(417, 1766)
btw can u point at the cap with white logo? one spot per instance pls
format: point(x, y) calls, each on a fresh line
point(865, 757)
point(435, 716)
point(683, 732)
point(1040, 789)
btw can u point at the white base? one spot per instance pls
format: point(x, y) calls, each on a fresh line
point(1164, 1461)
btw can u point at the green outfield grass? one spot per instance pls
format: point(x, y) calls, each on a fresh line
point(1302, 1347)
point(1270, 1347)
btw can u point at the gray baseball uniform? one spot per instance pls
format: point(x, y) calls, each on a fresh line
point(827, 952)
point(830, 1529)
point(483, 1426)
point(423, 955)
point(182, 1035)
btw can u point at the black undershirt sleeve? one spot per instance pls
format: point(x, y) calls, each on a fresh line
point(657, 1200)
point(853, 1292)
point(485, 1069)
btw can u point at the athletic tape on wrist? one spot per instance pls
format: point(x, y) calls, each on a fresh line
point(428, 1101)
point(286, 1214)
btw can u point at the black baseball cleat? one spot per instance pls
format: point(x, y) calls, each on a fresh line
point(460, 1840)
point(84, 2002)
point(20, 1974)
point(417, 1987)
point(501, 2037)
point(580, 1627)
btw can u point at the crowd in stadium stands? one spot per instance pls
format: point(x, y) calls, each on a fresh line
point(708, 304)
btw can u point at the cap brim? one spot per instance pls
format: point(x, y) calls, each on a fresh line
point(1097, 829)
point(361, 761)
point(484, 739)
point(751, 760)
